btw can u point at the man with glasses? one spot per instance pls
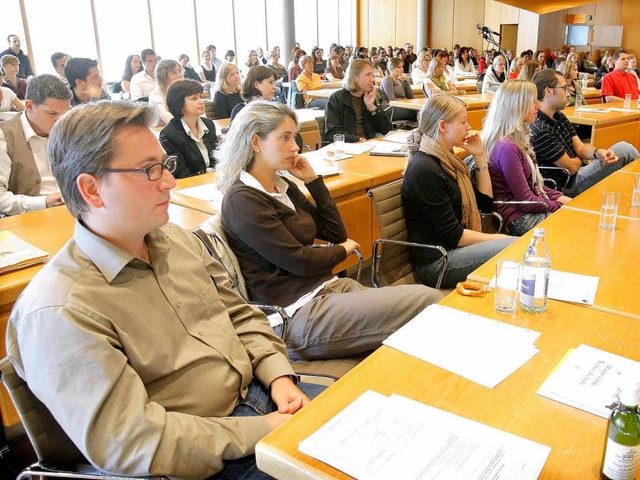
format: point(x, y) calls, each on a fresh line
point(26, 179)
point(556, 143)
point(131, 335)
point(619, 82)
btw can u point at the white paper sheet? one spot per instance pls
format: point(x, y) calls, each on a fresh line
point(381, 438)
point(588, 378)
point(483, 350)
point(593, 110)
point(207, 192)
point(388, 148)
point(398, 136)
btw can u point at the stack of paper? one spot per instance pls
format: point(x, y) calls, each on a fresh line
point(15, 253)
point(398, 136)
point(483, 350)
point(592, 110)
point(388, 149)
point(207, 192)
point(322, 164)
point(381, 438)
point(588, 378)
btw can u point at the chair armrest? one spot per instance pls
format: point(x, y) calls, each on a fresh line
point(308, 147)
point(377, 258)
point(355, 252)
point(275, 309)
point(524, 202)
point(321, 143)
point(565, 172)
point(498, 218)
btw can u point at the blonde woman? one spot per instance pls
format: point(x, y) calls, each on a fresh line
point(227, 93)
point(271, 227)
point(512, 162)
point(167, 72)
point(10, 64)
point(419, 73)
point(8, 99)
point(440, 201)
point(437, 81)
point(569, 71)
point(529, 69)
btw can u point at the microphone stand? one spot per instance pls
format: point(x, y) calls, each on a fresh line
point(492, 41)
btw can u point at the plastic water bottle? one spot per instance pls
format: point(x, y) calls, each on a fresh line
point(534, 279)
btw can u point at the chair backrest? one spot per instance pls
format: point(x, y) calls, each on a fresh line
point(212, 235)
point(47, 437)
point(296, 99)
point(395, 267)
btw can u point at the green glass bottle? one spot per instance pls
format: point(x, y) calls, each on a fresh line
point(622, 449)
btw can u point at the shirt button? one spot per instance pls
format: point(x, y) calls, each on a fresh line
point(179, 304)
point(201, 334)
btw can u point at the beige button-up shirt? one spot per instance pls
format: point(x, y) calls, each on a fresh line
point(141, 362)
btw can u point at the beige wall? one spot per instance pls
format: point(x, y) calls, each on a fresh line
point(453, 21)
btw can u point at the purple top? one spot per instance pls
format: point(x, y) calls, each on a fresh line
point(511, 180)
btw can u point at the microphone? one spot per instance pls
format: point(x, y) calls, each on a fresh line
point(484, 29)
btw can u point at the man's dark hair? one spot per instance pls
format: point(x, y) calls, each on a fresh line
point(177, 92)
point(145, 52)
point(257, 73)
point(211, 47)
point(546, 78)
point(9, 37)
point(46, 86)
point(78, 69)
point(617, 53)
point(57, 56)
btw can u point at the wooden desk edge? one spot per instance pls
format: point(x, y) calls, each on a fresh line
point(280, 465)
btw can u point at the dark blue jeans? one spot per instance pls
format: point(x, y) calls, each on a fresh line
point(258, 402)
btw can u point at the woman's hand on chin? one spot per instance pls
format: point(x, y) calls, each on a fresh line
point(302, 170)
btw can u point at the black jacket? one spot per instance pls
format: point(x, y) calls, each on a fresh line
point(340, 117)
point(175, 141)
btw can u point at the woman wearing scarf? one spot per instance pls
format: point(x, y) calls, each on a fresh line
point(436, 81)
point(512, 164)
point(440, 202)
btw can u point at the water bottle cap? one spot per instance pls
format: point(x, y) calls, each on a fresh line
point(538, 232)
point(630, 392)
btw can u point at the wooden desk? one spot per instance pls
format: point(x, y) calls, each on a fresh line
point(617, 182)
point(592, 95)
point(576, 438)
point(477, 105)
point(50, 229)
point(607, 128)
point(578, 245)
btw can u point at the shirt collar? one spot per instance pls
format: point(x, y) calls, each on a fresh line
point(202, 129)
point(29, 132)
point(109, 258)
point(546, 118)
point(281, 185)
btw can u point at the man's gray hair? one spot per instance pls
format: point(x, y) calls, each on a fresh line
point(82, 142)
point(46, 86)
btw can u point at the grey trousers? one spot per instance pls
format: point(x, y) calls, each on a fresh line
point(346, 318)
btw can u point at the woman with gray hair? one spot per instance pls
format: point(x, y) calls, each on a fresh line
point(441, 204)
point(167, 72)
point(271, 227)
point(353, 110)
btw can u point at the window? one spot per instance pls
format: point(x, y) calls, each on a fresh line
point(578, 34)
point(123, 30)
point(11, 23)
point(346, 18)
point(306, 21)
point(328, 24)
point(173, 29)
point(215, 27)
point(60, 26)
point(251, 27)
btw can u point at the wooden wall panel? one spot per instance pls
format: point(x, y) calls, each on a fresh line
point(630, 13)
point(440, 28)
point(382, 24)
point(609, 12)
point(509, 14)
point(551, 30)
point(406, 23)
point(362, 22)
point(466, 14)
point(527, 31)
point(492, 11)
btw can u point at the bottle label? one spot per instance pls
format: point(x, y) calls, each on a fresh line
point(527, 289)
point(620, 461)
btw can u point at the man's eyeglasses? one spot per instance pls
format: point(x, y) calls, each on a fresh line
point(153, 172)
point(565, 87)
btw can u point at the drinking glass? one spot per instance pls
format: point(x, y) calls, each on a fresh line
point(507, 276)
point(609, 210)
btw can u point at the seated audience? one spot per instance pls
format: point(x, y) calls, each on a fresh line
point(382, 60)
point(295, 70)
point(420, 70)
point(540, 57)
point(319, 65)
point(189, 136)
point(214, 60)
point(227, 93)
point(436, 81)
point(59, 60)
point(10, 65)
point(168, 362)
point(494, 76)
point(144, 82)
point(463, 63)
point(308, 80)
point(344, 61)
point(396, 86)
point(440, 201)
point(353, 110)
point(570, 73)
point(516, 66)
point(167, 72)
point(188, 71)
point(275, 65)
point(607, 66)
point(207, 70)
point(252, 61)
point(26, 179)
point(555, 141)
point(25, 72)
point(230, 56)
point(633, 67)
point(259, 84)
point(512, 163)
point(8, 99)
point(587, 64)
point(529, 69)
point(132, 66)
point(334, 70)
point(85, 81)
point(260, 52)
point(271, 226)
point(377, 71)
point(618, 83)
